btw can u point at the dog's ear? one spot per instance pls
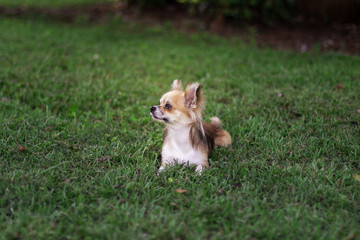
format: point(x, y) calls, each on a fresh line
point(176, 85)
point(193, 95)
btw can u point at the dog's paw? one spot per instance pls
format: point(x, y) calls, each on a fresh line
point(199, 169)
point(160, 170)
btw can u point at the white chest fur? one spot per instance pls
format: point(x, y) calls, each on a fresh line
point(178, 148)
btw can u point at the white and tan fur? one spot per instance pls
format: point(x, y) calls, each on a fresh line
point(188, 138)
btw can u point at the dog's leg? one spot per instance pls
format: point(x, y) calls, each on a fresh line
point(199, 169)
point(164, 164)
point(161, 169)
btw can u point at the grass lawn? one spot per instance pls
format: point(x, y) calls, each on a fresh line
point(79, 150)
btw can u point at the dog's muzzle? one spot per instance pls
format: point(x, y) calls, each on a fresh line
point(157, 114)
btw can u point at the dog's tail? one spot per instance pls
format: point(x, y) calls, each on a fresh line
point(216, 121)
point(221, 137)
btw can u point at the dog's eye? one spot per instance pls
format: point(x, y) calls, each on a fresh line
point(168, 106)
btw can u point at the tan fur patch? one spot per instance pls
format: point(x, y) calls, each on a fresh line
point(177, 100)
point(214, 136)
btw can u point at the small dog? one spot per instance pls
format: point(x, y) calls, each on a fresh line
point(188, 139)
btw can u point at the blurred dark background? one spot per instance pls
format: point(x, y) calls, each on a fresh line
point(264, 11)
point(238, 11)
point(303, 25)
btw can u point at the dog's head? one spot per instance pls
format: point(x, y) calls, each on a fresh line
point(178, 107)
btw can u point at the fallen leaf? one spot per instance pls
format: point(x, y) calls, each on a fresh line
point(236, 185)
point(170, 180)
point(49, 128)
point(339, 183)
point(181, 190)
point(21, 149)
point(103, 159)
point(358, 110)
point(220, 190)
point(339, 86)
point(351, 236)
point(280, 95)
point(356, 177)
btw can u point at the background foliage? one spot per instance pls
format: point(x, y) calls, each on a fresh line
point(266, 10)
point(263, 11)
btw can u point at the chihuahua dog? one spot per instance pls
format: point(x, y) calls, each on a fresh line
point(188, 139)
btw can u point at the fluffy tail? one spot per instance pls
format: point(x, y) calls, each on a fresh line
point(222, 137)
point(216, 121)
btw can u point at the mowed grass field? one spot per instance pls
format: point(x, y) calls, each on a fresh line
point(79, 151)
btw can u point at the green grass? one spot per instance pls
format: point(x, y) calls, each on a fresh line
point(77, 98)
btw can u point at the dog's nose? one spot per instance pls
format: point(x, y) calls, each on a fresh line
point(152, 109)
